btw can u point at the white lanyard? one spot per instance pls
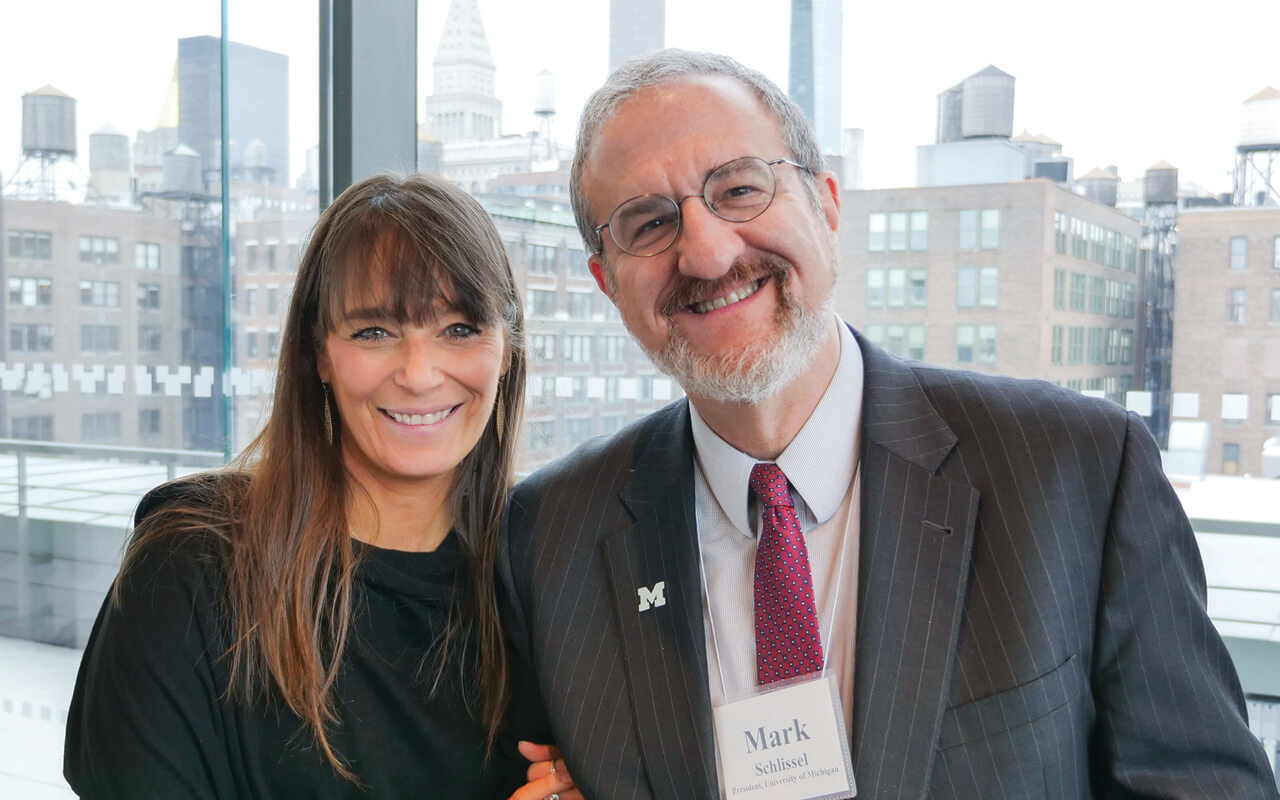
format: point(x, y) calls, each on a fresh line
point(835, 598)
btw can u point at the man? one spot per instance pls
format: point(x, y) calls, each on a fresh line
point(1002, 585)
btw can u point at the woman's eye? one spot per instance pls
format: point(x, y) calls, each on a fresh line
point(372, 334)
point(461, 330)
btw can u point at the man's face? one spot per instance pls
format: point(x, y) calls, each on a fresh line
point(733, 310)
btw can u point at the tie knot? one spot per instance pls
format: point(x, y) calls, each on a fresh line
point(770, 485)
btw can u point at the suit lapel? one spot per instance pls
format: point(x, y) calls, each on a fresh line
point(661, 626)
point(916, 540)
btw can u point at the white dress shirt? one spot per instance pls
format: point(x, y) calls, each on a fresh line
point(821, 465)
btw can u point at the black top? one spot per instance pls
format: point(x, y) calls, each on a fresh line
point(150, 717)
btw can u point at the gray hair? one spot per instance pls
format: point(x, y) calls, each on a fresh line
point(667, 66)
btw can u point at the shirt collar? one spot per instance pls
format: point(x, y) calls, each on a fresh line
point(819, 462)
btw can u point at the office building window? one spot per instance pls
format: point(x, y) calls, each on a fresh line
point(539, 435)
point(1097, 244)
point(965, 338)
point(542, 259)
point(875, 288)
point(876, 228)
point(611, 423)
point(917, 288)
point(30, 338)
point(1230, 458)
point(919, 231)
point(966, 287)
point(1096, 339)
point(272, 264)
point(1060, 232)
point(31, 244)
point(273, 300)
point(577, 431)
point(100, 426)
point(1055, 350)
point(1077, 291)
point(874, 334)
point(251, 302)
point(1130, 254)
point(251, 257)
point(1275, 305)
point(990, 228)
point(149, 338)
point(541, 303)
point(1236, 299)
point(986, 344)
point(989, 287)
point(100, 293)
point(1079, 243)
point(1126, 346)
point(897, 231)
point(148, 422)
point(1113, 249)
point(39, 428)
point(968, 225)
point(147, 255)
point(1097, 295)
point(1275, 253)
point(273, 344)
point(99, 250)
point(1059, 289)
point(579, 305)
point(613, 348)
point(1075, 344)
point(915, 342)
point(895, 339)
point(1239, 252)
point(895, 297)
point(1272, 409)
point(542, 347)
point(148, 296)
point(577, 348)
point(1127, 301)
point(31, 292)
point(575, 261)
point(100, 338)
point(251, 344)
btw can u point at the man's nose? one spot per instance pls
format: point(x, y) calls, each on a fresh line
point(708, 246)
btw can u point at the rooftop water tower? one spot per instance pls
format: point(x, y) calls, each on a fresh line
point(48, 141)
point(1257, 174)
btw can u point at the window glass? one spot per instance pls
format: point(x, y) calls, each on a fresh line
point(967, 287)
point(875, 287)
point(898, 231)
point(966, 336)
point(1236, 300)
point(968, 225)
point(919, 231)
point(989, 287)
point(917, 288)
point(1239, 252)
point(990, 228)
point(876, 228)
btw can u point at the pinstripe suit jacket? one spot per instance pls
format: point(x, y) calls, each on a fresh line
point(1031, 616)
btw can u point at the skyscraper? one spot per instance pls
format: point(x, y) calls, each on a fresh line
point(636, 28)
point(259, 92)
point(463, 103)
point(816, 64)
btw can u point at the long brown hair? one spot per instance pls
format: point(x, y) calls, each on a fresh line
point(290, 561)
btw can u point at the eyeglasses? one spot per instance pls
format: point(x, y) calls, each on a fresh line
point(738, 191)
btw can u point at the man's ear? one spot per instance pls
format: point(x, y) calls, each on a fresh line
point(598, 271)
point(829, 197)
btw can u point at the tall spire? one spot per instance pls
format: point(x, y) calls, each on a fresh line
point(463, 104)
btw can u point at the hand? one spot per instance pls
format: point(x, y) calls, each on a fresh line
point(547, 775)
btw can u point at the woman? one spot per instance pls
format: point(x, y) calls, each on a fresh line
point(319, 620)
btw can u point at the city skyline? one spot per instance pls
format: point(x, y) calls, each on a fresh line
point(1114, 83)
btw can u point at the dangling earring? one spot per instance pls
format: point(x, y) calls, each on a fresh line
point(501, 422)
point(328, 416)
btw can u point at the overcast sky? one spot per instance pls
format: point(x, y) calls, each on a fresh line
point(1123, 82)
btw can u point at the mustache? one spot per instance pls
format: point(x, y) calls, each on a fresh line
point(694, 290)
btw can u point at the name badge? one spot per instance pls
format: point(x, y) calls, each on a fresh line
point(787, 743)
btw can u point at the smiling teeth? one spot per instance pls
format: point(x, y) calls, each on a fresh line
point(419, 419)
point(737, 295)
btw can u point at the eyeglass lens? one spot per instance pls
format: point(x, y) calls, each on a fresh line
point(737, 191)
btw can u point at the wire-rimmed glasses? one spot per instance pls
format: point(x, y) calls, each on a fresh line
point(738, 191)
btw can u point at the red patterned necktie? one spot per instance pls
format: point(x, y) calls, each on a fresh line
point(788, 642)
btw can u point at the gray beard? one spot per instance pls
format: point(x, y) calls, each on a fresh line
point(757, 371)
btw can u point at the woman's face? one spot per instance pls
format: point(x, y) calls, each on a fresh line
point(413, 399)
